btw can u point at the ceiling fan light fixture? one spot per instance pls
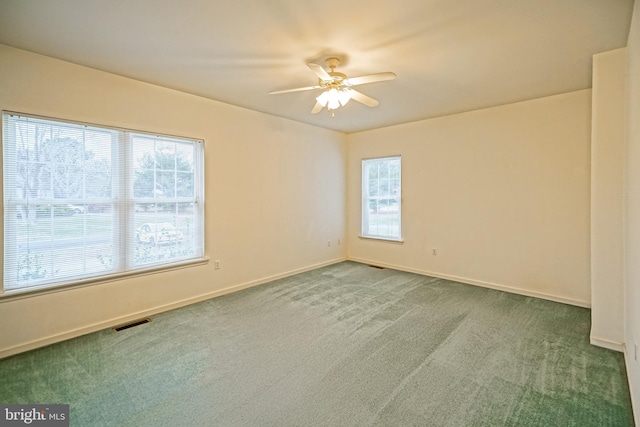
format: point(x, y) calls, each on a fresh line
point(337, 88)
point(323, 99)
point(344, 96)
point(334, 98)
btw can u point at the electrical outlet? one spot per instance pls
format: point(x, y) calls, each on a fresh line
point(328, 242)
point(216, 264)
point(338, 241)
point(635, 353)
point(434, 252)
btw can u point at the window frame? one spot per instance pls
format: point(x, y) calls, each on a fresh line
point(124, 229)
point(365, 201)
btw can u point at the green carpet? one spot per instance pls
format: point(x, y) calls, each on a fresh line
point(344, 345)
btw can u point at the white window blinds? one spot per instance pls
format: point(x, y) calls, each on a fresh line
point(84, 201)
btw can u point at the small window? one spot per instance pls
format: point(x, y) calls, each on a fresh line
point(84, 201)
point(381, 198)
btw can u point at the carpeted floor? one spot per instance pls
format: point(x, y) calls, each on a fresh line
point(344, 345)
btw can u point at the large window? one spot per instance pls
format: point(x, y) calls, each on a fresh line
point(82, 202)
point(381, 197)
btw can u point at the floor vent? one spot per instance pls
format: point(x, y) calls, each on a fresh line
point(131, 325)
point(377, 266)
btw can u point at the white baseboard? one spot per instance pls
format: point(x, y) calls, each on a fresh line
point(528, 293)
point(116, 321)
point(636, 410)
point(605, 343)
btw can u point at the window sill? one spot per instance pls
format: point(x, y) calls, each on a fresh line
point(15, 294)
point(383, 239)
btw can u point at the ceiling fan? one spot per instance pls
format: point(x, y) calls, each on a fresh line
point(338, 89)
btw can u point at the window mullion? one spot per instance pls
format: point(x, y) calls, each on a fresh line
point(198, 187)
point(125, 224)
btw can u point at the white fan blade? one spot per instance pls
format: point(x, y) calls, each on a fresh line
point(298, 89)
point(371, 78)
point(316, 108)
point(320, 72)
point(362, 98)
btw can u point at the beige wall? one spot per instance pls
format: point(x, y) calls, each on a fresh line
point(501, 193)
point(275, 194)
point(632, 212)
point(607, 201)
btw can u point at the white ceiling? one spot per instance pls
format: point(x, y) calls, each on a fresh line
point(449, 56)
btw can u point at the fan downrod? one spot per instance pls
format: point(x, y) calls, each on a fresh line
point(332, 63)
